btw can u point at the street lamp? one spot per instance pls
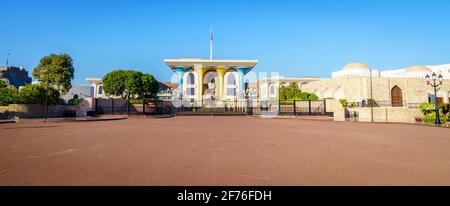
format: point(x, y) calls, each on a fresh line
point(435, 81)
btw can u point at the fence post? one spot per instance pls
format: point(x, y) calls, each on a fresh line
point(309, 107)
point(128, 107)
point(112, 106)
point(324, 106)
point(143, 106)
point(279, 106)
point(96, 106)
point(295, 108)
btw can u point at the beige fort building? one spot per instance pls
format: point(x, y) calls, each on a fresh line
point(396, 93)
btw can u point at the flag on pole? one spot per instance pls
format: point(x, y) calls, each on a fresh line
point(211, 35)
point(211, 45)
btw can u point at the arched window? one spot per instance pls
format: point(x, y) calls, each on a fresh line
point(231, 85)
point(191, 79)
point(272, 91)
point(100, 90)
point(397, 97)
point(190, 85)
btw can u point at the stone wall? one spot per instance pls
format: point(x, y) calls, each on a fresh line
point(33, 111)
point(356, 89)
point(387, 114)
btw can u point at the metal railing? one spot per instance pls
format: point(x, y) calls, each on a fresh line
point(249, 107)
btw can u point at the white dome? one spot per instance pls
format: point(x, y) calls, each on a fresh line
point(418, 69)
point(355, 66)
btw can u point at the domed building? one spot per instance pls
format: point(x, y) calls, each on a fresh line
point(417, 72)
point(355, 70)
point(400, 88)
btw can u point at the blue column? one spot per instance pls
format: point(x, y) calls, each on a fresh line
point(180, 71)
point(241, 73)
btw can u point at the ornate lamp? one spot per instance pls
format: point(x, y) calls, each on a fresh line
point(435, 81)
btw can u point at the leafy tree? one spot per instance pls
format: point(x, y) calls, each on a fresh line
point(129, 83)
point(149, 85)
point(36, 94)
point(288, 92)
point(114, 83)
point(292, 92)
point(8, 95)
point(56, 70)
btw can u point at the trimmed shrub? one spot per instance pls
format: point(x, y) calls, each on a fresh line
point(75, 102)
point(305, 96)
point(431, 118)
point(36, 94)
point(427, 108)
point(8, 96)
point(343, 102)
point(141, 101)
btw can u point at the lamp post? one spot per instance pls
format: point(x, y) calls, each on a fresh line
point(435, 81)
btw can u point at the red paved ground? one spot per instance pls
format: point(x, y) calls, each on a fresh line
point(223, 151)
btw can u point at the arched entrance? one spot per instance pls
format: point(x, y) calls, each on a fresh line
point(397, 97)
point(210, 87)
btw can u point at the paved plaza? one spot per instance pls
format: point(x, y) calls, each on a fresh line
point(223, 151)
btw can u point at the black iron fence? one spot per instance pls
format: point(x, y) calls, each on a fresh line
point(254, 107)
point(249, 107)
point(123, 107)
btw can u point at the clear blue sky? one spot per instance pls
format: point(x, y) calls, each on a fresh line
point(295, 38)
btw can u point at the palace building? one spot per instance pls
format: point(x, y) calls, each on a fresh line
point(203, 80)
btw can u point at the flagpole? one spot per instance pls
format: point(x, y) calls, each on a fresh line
point(211, 45)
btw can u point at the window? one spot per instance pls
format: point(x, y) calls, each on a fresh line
point(272, 90)
point(231, 85)
point(100, 90)
point(190, 85)
point(191, 79)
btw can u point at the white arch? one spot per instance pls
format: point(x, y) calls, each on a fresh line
point(272, 91)
point(190, 88)
point(339, 93)
point(263, 91)
point(231, 82)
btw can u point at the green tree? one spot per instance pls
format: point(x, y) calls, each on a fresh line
point(8, 95)
point(36, 94)
point(129, 83)
point(288, 92)
point(149, 85)
point(56, 70)
point(292, 92)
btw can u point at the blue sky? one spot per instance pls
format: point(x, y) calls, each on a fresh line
point(295, 38)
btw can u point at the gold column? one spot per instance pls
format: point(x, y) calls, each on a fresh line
point(221, 74)
point(200, 74)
